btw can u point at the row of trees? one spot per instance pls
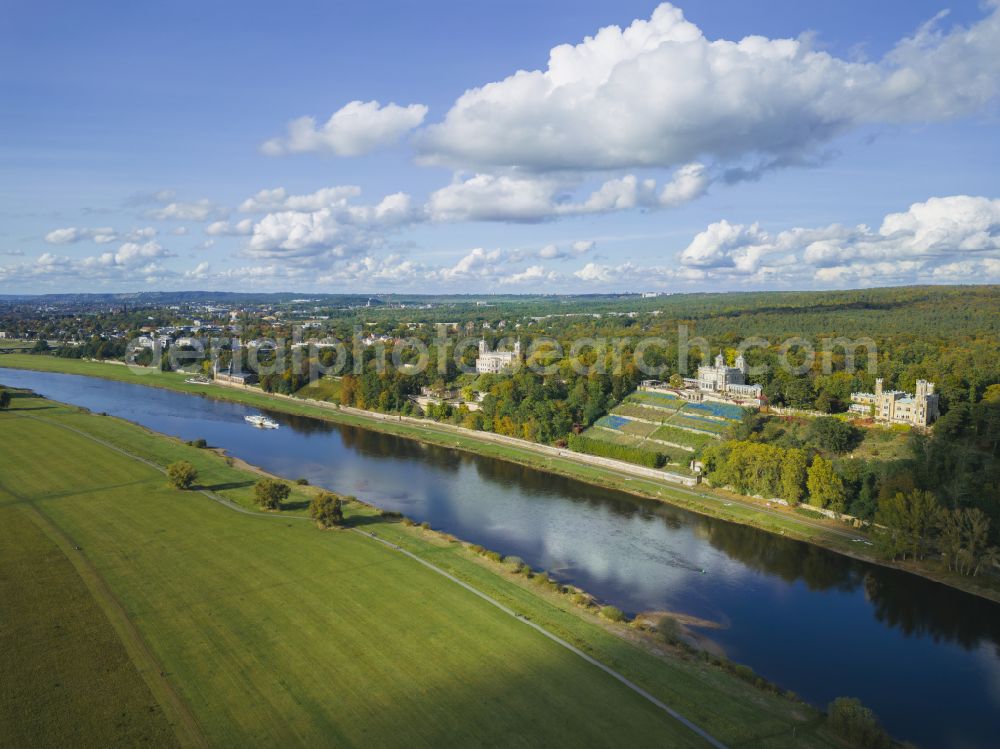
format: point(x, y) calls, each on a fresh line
point(757, 468)
point(326, 508)
point(914, 525)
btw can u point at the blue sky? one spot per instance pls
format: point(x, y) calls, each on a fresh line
point(837, 145)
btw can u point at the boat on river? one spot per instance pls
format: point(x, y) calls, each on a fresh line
point(261, 422)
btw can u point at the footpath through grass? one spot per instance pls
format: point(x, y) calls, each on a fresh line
point(274, 633)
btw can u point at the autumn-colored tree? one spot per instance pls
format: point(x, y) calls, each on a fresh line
point(182, 474)
point(271, 493)
point(326, 509)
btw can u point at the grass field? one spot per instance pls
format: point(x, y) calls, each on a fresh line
point(682, 437)
point(273, 633)
point(65, 672)
point(700, 423)
point(323, 389)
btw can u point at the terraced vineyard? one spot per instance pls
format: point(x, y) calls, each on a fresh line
point(662, 423)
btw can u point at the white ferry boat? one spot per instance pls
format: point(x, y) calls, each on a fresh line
point(261, 422)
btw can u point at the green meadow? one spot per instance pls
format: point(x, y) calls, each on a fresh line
point(234, 629)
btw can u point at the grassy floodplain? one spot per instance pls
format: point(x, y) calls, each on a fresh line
point(712, 502)
point(266, 631)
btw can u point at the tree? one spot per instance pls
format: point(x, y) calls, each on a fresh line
point(964, 541)
point(676, 381)
point(826, 490)
point(906, 521)
point(182, 474)
point(830, 433)
point(271, 493)
point(4, 399)
point(992, 394)
point(852, 721)
point(794, 470)
point(823, 403)
point(326, 509)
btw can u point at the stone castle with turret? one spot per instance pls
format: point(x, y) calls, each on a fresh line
point(896, 407)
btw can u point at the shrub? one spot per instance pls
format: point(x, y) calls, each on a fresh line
point(544, 581)
point(668, 630)
point(516, 564)
point(200, 442)
point(302, 482)
point(612, 614)
point(494, 556)
point(855, 723)
point(271, 493)
point(425, 525)
point(581, 599)
point(408, 522)
point(579, 443)
point(182, 474)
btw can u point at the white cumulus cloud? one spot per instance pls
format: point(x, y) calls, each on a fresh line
point(355, 129)
point(660, 94)
point(103, 235)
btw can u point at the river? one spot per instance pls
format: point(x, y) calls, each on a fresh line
point(924, 657)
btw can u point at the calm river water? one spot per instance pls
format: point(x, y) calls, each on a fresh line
point(926, 658)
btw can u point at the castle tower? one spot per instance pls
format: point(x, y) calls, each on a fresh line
point(924, 389)
point(483, 348)
point(517, 349)
point(878, 388)
point(720, 360)
point(741, 364)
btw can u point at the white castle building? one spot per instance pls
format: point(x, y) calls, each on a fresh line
point(896, 407)
point(728, 381)
point(495, 362)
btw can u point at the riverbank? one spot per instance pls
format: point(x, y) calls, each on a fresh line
point(236, 594)
point(720, 504)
